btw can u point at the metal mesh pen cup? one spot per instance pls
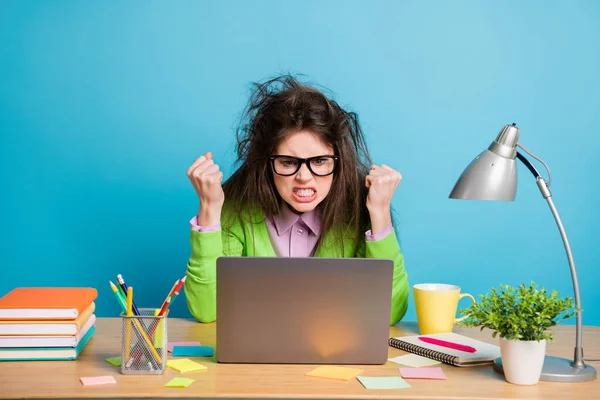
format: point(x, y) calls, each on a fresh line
point(144, 343)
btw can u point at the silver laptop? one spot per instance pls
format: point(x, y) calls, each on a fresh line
point(303, 310)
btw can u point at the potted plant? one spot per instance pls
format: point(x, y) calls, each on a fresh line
point(522, 317)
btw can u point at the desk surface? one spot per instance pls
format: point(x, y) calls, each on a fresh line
point(60, 379)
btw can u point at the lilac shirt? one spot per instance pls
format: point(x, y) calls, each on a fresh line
point(293, 235)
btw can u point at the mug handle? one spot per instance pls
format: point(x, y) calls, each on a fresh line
point(464, 316)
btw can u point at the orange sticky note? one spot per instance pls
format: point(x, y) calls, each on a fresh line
point(334, 372)
point(97, 380)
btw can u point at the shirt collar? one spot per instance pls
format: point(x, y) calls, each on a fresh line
point(284, 221)
point(312, 219)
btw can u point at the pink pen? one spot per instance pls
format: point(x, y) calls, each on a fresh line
point(450, 345)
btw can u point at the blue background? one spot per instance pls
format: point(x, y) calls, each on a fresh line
point(104, 105)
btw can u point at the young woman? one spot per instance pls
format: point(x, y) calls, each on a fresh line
point(305, 188)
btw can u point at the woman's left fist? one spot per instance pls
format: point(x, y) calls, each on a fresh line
point(382, 182)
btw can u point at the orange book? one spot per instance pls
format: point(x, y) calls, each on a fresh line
point(46, 303)
point(48, 327)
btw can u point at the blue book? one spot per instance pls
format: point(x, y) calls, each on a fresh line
point(46, 353)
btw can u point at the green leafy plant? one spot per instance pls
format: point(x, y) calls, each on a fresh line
point(522, 313)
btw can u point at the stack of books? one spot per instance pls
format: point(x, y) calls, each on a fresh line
point(46, 323)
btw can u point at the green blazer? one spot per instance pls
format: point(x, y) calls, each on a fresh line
point(244, 238)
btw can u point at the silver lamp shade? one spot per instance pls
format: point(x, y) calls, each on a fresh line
point(492, 175)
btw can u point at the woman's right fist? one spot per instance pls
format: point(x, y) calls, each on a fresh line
point(206, 178)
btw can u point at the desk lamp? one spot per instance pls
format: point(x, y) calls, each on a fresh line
point(493, 176)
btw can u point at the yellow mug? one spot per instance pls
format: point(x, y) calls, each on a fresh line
point(436, 305)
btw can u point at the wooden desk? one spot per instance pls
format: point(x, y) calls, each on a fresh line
point(60, 379)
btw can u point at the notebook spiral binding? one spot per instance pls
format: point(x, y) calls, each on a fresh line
point(421, 351)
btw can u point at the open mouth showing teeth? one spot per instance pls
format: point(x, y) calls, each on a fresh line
point(304, 192)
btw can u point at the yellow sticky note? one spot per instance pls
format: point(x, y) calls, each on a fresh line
point(158, 335)
point(179, 382)
point(116, 361)
point(333, 372)
point(185, 365)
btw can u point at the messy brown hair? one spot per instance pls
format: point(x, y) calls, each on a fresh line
point(281, 107)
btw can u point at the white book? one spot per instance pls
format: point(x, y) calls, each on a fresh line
point(47, 341)
point(46, 353)
point(48, 327)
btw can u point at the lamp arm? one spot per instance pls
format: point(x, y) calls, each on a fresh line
point(540, 160)
point(578, 357)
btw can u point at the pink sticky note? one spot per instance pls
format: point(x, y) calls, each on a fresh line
point(97, 380)
point(422, 373)
point(170, 345)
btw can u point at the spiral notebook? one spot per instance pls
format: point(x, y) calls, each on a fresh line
point(485, 353)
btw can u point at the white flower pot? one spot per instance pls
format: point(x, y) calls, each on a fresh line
point(522, 360)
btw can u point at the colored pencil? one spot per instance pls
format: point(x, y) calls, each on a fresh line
point(128, 325)
point(118, 297)
point(123, 285)
point(139, 327)
point(176, 292)
point(164, 304)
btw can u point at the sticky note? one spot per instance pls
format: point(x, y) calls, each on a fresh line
point(116, 361)
point(185, 365)
point(413, 360)
point(334, 372)
point(158, 334)
point(193, 351)
point(97, 380)
point(179, 382)
point(173, 344)
point(383, 382)
point(422, 373)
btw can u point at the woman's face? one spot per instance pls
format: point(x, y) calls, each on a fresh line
point(303, 190)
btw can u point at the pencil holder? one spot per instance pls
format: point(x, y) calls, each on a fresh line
point(144, 344)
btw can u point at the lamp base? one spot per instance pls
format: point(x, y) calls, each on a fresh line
point(558, 369)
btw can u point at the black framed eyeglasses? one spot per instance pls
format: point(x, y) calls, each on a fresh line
point(318, 165)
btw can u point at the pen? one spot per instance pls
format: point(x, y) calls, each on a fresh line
point(450, 345)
